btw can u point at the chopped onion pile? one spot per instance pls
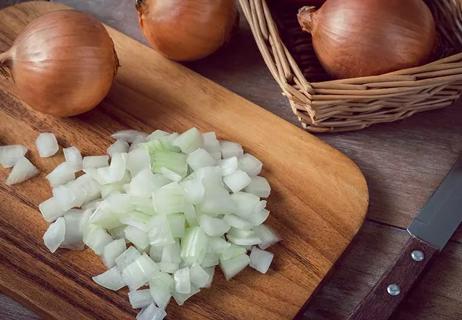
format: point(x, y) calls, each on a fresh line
point(162, 213)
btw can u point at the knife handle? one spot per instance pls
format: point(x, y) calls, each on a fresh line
point(395, 284)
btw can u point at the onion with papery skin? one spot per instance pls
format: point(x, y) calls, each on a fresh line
point(62, 64)
point(186, 30)
point(355, 38)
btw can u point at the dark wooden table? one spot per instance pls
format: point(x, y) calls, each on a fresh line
point(403, 163)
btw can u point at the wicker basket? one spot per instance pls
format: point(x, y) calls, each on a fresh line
point(324, 105)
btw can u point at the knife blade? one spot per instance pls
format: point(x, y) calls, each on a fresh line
point(429, 232)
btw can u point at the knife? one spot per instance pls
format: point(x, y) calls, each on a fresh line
point(429, 233)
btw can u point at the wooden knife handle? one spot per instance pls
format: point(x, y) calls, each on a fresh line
point(394, 285)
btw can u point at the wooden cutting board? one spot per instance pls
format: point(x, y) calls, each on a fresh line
point(318, 203)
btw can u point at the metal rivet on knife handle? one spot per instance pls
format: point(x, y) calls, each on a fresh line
point(393, 289)
point(417, 255)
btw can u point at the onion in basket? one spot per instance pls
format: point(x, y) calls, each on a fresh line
point(185, 30)
point(355, 38)
point(62, 64)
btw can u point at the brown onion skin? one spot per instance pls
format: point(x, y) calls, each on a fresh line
point(187, 30)
point(316, 3)
point(356, 38)
point(63, 63)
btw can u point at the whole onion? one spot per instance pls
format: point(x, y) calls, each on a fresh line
point(186, 30)
point(354, 38)
point(62, 64)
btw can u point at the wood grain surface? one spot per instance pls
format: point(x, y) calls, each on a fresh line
point(318, 203)
point(403, 162)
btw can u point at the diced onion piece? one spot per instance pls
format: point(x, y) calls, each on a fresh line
point(151, 312)
point(177, 223)
point(250, 164)
point(169, 199)
point(213, 226)
point(54, 235)
point(237, 222)
point(138, 160)
point(218, 245)
point(113, 250)
point(116, 170)
point(231, 149)
point(47, 145)
point(97, 238)
point(170, 175)
point(51, 209)
point(63, 173)
point(243, 237)
point(260, 260)
point(159, 231)
point(199, 277)
point(211, 272)
point(145, 183)
point(95, 162)
point(110, 279)
point(237, 181)
point(73, 237)
point(189, 140)
point(138, 237)
point(129, 135)
point(161, 285)
point(156, 135)
point(156, 253)
point(136, 219)
point(171, 253)
point(180, 298)
point(211, 259)
point(200, 158)
point(23, 170)
point(259, 217)
point(120, 146)
point(232, 252)
point(171, 160)
point(9, 155)
point(73, 155)
point(118, 233)
point(139, 272)
point(190, 215)
point(246, 203)
point(169, 267)
point(140, 298)
point(267, 235)
point(126, 258)
point(259, 186)
point(194, 245)
point(229, 165)
point(212, 145)
point(193, 190)
point(217, 201)
point(182, 281)
point(233, 266)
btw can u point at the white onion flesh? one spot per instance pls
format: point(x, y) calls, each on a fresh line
point(110, 279)
point(95, 162)
point(189, 200)
point(47, 145)
point(140, 298)
point(73, 155)
point(260, 260)
point(54, 235)
point(23, 170)
point(63, 173)
point(9, 155)
point(120, 146)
